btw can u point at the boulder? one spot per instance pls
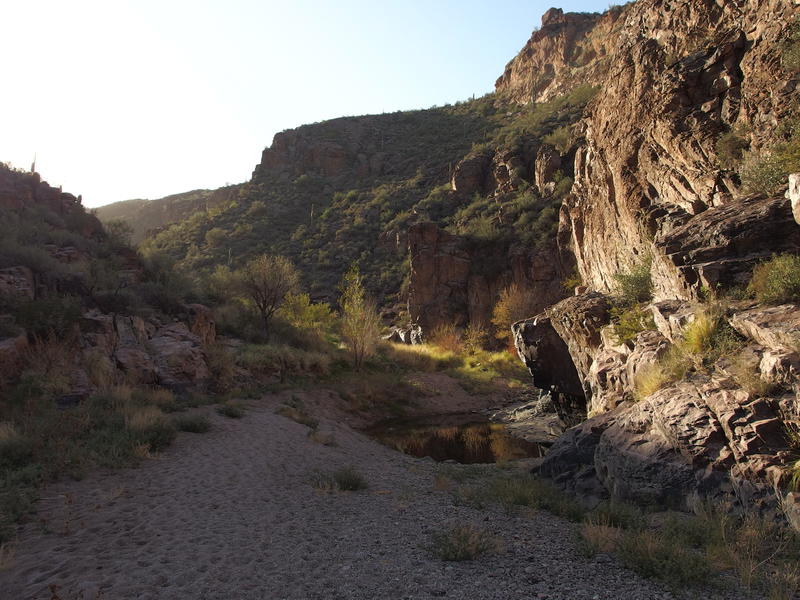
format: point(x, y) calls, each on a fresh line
point(775, 327)
point(793, 194)
point(470, 173)
point(178, 355)
point(699, 436)
point(719, 247)
point(547, 357)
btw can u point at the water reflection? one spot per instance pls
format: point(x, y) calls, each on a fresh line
point(466, 441)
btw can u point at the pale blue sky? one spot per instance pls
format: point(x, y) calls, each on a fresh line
point(148, 98)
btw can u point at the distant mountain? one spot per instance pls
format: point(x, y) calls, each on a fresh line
point(146, 215)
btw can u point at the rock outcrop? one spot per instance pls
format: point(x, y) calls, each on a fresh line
point(679, 75)
point(451, 284)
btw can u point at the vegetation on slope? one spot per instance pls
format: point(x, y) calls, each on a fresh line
point(325, 224)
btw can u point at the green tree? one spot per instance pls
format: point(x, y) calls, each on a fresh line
point(265, 281)
point(360, 320)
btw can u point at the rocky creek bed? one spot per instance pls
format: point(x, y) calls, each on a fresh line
point(233, 514)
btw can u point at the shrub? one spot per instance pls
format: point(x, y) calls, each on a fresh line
point(349, 480)
point(231, 409)
point(629, 322)
point(762, 174)
point(791, 49)
point(272, 359)
point(150, 426)
point(515, 303)
point(634, 285)
point(730, 149)
point(777, 280)
point(462, 542)
point(530, 492)
point(15, 449)
point(360, 323)
point(560, 139)
point(192, 423)
point(298, 415)
point(652, 554)
point(52, 316)
point(475, 338)
point(599, 536)
point(345, 479)
point(300, 312)
point(446, 337)
point(672, 367)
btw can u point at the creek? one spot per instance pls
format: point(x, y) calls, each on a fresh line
point(467, 438)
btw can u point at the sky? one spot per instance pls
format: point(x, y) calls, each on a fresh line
point(141, 99)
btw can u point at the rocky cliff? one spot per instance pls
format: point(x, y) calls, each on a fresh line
point(651, 187)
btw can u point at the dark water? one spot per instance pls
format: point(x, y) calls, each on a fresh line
point(463, 438)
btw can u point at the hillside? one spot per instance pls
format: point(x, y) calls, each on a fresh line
point(144, 216)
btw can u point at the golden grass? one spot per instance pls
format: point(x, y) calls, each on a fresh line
point(600, 536)
point(143, 418)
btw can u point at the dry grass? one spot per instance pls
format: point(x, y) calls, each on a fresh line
point(298, 415)
point(745, 370)
point(462, 542)
point(447, 337)
point(599, 536)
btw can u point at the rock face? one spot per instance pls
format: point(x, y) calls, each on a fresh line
point(356, 151)
point(678, 75)
point(149, 352)
point(451, 284)
point(18, 189)
point(569, 49)
point(697, 437)
point(718, 248)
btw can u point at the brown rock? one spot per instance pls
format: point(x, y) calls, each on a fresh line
point(471, 172)
point(776, 327)
point(548, 161)
point(793, 194)
point(178, 356)
point(201, 323)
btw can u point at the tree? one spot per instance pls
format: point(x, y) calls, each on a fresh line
point(266, 280)
point(515, 303)
point(360, 321)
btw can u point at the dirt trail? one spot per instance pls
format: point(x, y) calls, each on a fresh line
point(231, 514)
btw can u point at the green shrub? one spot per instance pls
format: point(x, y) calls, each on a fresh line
point(526, 491)
point(560, 139)
point(192, 423)
point(777, 280)
point(151, 427)
point(730, 149)
point(762, 174)
point(462, 542)
point(54, 315)
point(231, 409)
point(15, 449)
point(349, 480)
point(634, 285)
point(345, 479)
point(652, 554)
point(629, 322)
point(791, 49)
